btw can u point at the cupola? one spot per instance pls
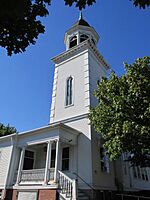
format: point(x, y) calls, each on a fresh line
point(80, 32)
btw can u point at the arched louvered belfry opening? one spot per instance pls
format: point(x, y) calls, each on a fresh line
point(83, 37)
point(73, 41)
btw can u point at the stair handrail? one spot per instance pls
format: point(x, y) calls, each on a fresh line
point(90, 186)
point(65, 176)
point(71, 187)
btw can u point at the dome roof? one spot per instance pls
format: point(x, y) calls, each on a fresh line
point(81, 22)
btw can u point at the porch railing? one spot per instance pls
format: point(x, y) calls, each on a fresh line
point(51, 174)
point(34, 175)
point(67, 186)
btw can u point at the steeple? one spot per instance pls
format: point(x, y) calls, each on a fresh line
point(79, 32)
point(80, 16)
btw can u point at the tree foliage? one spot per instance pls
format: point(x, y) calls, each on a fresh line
point(6, 130)
point(141, 3)
point(80, 3)
point(83, 3)
point(122, 115)
point(20, 23)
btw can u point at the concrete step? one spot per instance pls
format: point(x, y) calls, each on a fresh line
point(83, 198)
point(82, 195)
point(63, 197)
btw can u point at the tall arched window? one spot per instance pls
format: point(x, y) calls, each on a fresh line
point(69, 91)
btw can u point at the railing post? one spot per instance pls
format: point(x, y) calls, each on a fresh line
point(20, 165)
point(74, 190)
point(47, 165)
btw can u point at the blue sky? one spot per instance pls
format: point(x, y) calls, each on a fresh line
point(26, 79)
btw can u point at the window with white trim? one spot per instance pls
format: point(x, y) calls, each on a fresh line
point(53, 156)
point(65, 159)
point(69, 91)
point(105, 164)
point(28, 160)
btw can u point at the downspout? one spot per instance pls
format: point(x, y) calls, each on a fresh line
point(77, 152)
point(76, 178)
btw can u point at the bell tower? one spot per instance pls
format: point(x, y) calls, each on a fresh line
point(77, 71)
point(80, 32)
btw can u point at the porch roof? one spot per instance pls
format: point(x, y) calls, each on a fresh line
point(57, 125)
point(55, 131)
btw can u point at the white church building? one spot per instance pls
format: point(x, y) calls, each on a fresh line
point(66, 159)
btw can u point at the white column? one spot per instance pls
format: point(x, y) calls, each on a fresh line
point(48, 159)
point(56, 159)
point(20, 165)
point(74, 190)
point(78, 38)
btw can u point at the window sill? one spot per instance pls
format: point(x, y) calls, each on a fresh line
point(69, 106)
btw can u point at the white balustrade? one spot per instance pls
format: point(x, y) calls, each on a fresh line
point(67, 185)
point(34, 175)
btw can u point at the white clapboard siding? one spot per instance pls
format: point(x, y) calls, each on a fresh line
point(4, 163)
point(27, 196)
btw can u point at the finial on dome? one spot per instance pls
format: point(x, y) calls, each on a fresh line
point(81, 16)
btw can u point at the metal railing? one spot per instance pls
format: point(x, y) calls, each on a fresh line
point(134, 197)
point(93, 194)
point(67, 185)
point(51, 174)
point(34, 175)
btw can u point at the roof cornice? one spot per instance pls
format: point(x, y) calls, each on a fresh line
point(8, 137)
point(82, 46)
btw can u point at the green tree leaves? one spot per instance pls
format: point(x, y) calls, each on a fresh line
point(141, 3)
point(6, 130)
point(80, 3)
point(123, 113)
point(19, 26)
